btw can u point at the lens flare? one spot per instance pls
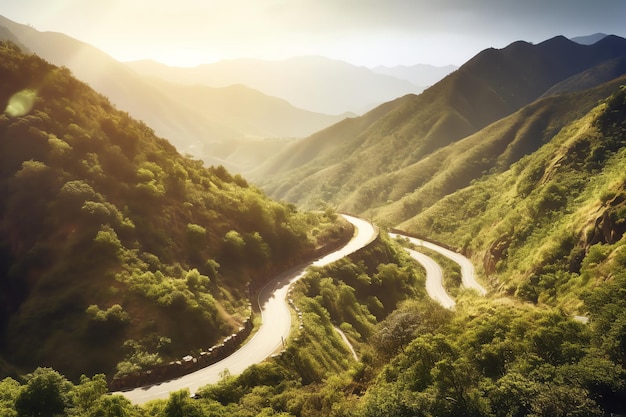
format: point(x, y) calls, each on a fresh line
point(21, 103)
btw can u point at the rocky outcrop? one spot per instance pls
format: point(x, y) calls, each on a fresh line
point(610, 225)
point(496, 251)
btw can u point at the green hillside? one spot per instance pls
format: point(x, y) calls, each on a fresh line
point(594, 76)
point(400, 195)
point(347, 165)
point(558, 212)
point(540, 228)
point(110, 239)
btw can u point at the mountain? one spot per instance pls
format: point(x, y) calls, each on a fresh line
point(256, 126)
point(110, 239)
point(310, 82)
point(589, 40)
point(353, 164)
point(403, 194)
point(597, 75)
point(7, 35)
point(420, 75)
point(195, 118)
point(548, 238)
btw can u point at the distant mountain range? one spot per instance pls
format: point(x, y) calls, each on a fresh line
point(394, 161)
point(194, 119)
point(218, 113)
point(589, 39)
point(310, 82)
point(224, 113)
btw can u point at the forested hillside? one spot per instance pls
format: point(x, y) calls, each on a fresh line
point(547, 232)
point(110, 239)
point(401, 195)
point(495, 356)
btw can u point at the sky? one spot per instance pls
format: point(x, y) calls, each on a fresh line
point(361, 32)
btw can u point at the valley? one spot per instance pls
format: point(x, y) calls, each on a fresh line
point(276, 325)
point(480, 272)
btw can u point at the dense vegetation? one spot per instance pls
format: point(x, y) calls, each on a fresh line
point(490, 357)
point(353, 294)
point(113, 239)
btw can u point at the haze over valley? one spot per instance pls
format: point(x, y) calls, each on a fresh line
point(312, 208)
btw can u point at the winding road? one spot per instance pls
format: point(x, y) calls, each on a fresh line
point(434, 279)
point(434, 275)
point(274, 329)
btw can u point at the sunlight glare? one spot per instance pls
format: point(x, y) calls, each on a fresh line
point(21, 103)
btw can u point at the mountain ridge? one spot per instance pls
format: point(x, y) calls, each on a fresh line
point(589, 39)
point(571, 188)
point(493, 84)
point(309, 82)
point(419, 74)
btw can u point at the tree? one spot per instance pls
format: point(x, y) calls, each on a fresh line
point(9, 390)
point(89, 391)
point(403, 325)
point(512, 395)
point(180, 404)
point(234, 247)
point(557, 400)
point(46, 394)
point(113, 406)
point(257, 251)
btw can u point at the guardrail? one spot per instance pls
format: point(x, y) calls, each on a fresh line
point(185, 365)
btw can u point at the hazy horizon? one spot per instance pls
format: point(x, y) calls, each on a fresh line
point(361, 32)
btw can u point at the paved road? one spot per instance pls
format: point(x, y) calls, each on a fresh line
point(275, 327)
point(468, 277)
point(434, 279)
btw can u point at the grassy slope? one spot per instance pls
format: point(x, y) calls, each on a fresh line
point(558, 215)
point(533, 225)
point(399, 196)
point(493, 356)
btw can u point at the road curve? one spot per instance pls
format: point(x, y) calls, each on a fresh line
point(468, 277)
point(434, 279)
point(274, 329)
